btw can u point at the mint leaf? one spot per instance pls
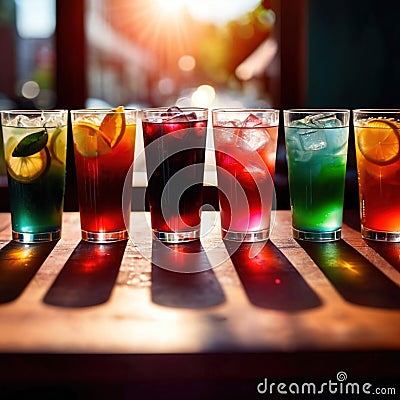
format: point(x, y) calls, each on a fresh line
point(31, 144)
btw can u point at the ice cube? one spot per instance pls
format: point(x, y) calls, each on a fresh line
point(252, 174)
point(177, 115)
point(253, 139)
point(53, 120)
point(235, 123)
point(338, 141)
point(177, 118)
point(251, 121)
point(174, 109)
point(326, 121)
point(191, 116)
point(257, 171)
point(295, 147)
point(224, 136)
point(313, 140)
point(22, 121)
point(155, 120)
point(94, 119)
point(301, 123)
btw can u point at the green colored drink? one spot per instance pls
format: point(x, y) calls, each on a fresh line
point(316, 147)
point(35, 155)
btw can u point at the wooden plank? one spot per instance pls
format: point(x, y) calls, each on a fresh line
point(83, 298)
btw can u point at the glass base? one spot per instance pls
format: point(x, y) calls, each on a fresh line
point(380, 236)
point(176, 237)
point(317, 236)
point(25, 237)
point(104, 237)
point(246, 237)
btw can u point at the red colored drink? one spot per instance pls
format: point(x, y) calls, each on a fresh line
point(174, 142)
point(377, 138)
point(245, 158)
point(103, 161)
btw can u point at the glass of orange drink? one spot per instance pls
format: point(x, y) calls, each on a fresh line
point(104, 146)
point(377, 139)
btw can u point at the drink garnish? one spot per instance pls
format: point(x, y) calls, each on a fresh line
point(58, 147)
point(112, 127)
point(382, 146)
point(92, 141)
point(27, 169)
point(31, 144)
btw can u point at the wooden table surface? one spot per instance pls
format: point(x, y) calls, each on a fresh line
point(288, 309)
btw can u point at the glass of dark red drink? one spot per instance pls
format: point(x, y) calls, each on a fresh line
point(174, 140)
point(104, 146)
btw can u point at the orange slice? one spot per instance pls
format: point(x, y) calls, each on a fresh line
point(379, 141)
point(88, 141)
point(92, 141)
point(113, 126)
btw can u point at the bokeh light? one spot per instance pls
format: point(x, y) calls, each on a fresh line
point(187, 63)
point(203, 96)
point(30, 89)
point(166, 86)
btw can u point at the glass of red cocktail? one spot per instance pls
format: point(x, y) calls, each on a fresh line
point(104, 145)
point(245, 149)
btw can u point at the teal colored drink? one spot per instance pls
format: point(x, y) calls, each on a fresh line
point(35, 161)
point(316, 153)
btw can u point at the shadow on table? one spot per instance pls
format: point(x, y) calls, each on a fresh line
point(19, 263)
point(389, 251)
point(174, 284)
point(355, 278)
point(269, 279)
point(88, 276)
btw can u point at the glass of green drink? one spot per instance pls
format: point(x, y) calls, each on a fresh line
point(316, 150)
point(35, 145)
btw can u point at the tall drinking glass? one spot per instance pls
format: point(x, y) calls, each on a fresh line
point(245, 148)
point(377, 137)
point(174, 142)
point(316, 148)
point(104, 146)
point(35, 155)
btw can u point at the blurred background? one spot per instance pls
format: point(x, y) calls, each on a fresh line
point(209, 53)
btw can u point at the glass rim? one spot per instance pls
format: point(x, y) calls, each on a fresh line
point(165, 109)
point(241, 109)
point(316, 110)
point(376, 110)
point(148, 114)
point(26, 111)
point(101, 110)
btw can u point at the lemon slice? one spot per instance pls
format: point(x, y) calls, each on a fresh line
point(58, 147)
point(92, 141)
point(379, 141)
point(28, 169)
